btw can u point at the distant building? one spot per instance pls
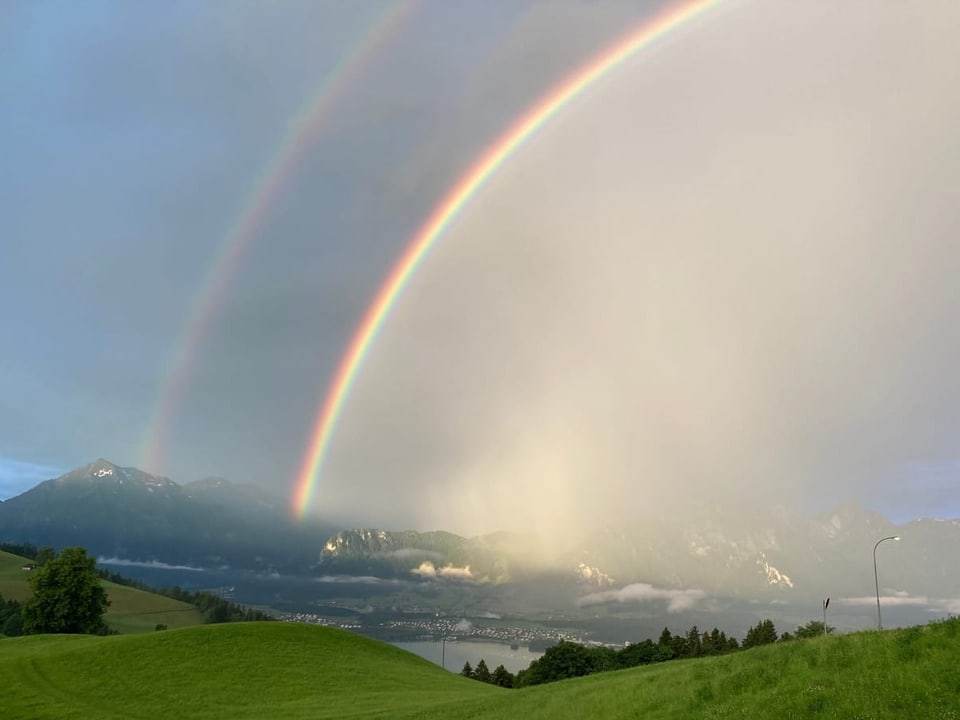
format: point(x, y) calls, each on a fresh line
point(28, 567)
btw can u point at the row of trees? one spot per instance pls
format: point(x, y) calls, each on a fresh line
point(500, 676)
point(214, 608)
point(568, 659)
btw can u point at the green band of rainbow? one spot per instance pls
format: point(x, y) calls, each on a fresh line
point(448, 209)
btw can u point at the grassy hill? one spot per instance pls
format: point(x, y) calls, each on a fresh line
point(280, 670)
point(130, 611)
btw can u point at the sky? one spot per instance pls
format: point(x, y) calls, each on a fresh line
point(724, 273)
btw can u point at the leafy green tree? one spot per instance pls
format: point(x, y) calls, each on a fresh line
point(567, 660)
point(67, 596)
point(714, 642)
point(763, 633)
point(44, 555)
point(482, 672)
point(502, 677)
point(665, 646)
point(693, 646)
point(467, 670)
point(814, 628)
point(639, 653)
point(13, 625)
point(11, 622)
point(666, 639)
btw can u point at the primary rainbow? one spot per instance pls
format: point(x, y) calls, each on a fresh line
point(301, 129)
point(448, 209)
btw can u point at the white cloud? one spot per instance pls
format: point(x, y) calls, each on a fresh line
point(363, 579)
point(677, 600)
point(145, 564)
point(428, 570)
point(898, 599)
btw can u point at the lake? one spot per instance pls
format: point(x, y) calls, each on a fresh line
point(461, 651)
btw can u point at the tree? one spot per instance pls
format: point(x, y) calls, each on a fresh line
point(44, 555)
point(482, 672)
point(814, 628)
point(467, 670)
point(11, 622)
point(665, 650)
point(567, 660)
point(502, 677)
point(693, 645)
point(640, 653)
point(763, 633)
point(67, 596)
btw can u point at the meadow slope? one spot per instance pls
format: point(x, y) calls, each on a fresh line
point(130, 611)
point(281, 670)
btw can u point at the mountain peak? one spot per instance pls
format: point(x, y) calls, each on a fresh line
point(101, 466)
point(104, 471)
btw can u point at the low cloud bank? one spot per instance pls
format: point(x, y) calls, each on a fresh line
point(407, 553)
point(677, 600)
point(898, 599)
point(363, 579)
point(903, 599)
point(155, 564)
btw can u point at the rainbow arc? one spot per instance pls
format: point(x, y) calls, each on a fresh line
point(446, 212)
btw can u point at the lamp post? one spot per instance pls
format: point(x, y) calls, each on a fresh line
point(876, 579)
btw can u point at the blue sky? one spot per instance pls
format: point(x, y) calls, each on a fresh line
point(723, 271)
point(136, 136)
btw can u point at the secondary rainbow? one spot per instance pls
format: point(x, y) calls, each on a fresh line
point(302, 128)
point(446, 212)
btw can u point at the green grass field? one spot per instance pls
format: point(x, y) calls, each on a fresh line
point(130, 611)
point(13, 580)
point(281, 670)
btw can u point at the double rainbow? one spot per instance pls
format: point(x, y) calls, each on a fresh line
point(447, 211)
point(302, 128)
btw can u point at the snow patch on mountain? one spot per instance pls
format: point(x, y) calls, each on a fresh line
point(774, 576)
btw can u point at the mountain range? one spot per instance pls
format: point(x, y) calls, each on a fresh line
point(123, 512)
point(773, 556)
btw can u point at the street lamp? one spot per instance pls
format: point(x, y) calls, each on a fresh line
point(876, 580)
